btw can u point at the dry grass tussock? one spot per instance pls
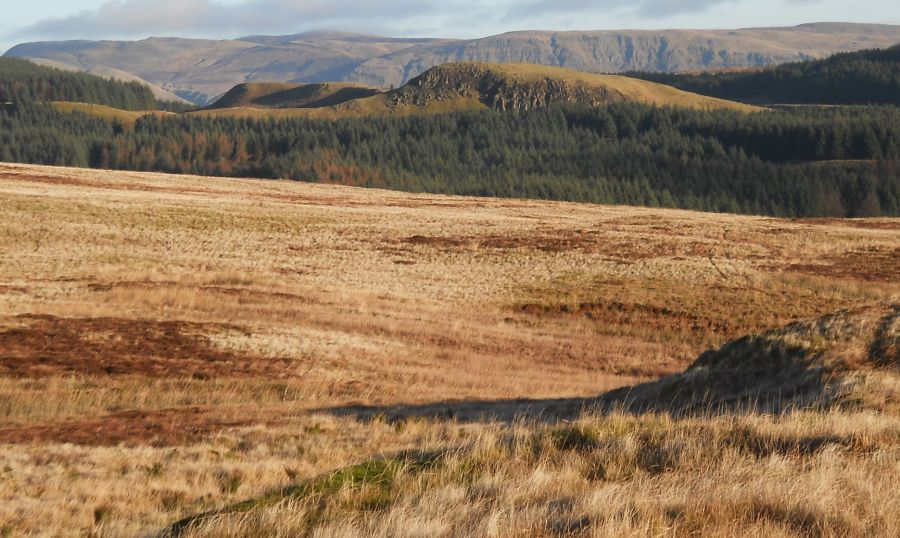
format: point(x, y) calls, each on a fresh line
point(809, 474)
point(353, 362)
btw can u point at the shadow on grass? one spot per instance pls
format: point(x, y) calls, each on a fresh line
point(755, 374)
point(547, 411)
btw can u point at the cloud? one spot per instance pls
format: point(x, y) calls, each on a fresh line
point(146, 17)
point(134, 18)
point(650, 9)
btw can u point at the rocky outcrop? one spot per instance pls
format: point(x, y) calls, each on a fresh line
point(498, 90)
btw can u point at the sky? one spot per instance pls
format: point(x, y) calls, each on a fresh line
point(42, 20)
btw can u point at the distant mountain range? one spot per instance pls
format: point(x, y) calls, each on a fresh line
point(202, 70)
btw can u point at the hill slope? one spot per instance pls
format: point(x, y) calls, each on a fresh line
point(287, 95)
point(22, 80)
point(117, 74)
point(865, 77)
point(201, 70)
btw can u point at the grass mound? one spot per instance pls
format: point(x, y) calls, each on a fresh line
point(367, 486)
point(851, 357)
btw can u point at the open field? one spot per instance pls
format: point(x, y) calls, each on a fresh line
point(171, 345)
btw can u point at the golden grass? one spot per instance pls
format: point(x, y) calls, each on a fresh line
point(174, 344)
point(126, 117)
point(616, 475)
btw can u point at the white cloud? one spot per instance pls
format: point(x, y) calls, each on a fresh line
point(647, 8)
point(129, 19)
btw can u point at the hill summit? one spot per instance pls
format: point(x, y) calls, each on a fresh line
point(467, 86)
point(528, 86)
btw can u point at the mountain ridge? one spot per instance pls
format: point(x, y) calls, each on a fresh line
point(202, 69)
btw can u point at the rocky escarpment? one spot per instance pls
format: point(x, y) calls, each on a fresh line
point(498, 90)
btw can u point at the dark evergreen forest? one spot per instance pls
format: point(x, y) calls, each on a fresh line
point(853, 78)
point(24, 81)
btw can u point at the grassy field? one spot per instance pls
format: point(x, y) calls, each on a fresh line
point(274, 358)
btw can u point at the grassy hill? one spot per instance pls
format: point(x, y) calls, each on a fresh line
point(461, 86)
point(288, 95)
point(864, 77)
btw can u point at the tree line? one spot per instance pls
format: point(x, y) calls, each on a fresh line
point(853, 78)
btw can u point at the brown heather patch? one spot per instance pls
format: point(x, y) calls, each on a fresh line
point(6, 288)
point(242, 293)
point(869, 224)
point(646, 316)
point(874, 264)
point(39, 346)
point(160, 428)
point(597, 242)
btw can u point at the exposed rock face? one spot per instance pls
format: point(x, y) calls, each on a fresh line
point(201, 70)
point(498, 91)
